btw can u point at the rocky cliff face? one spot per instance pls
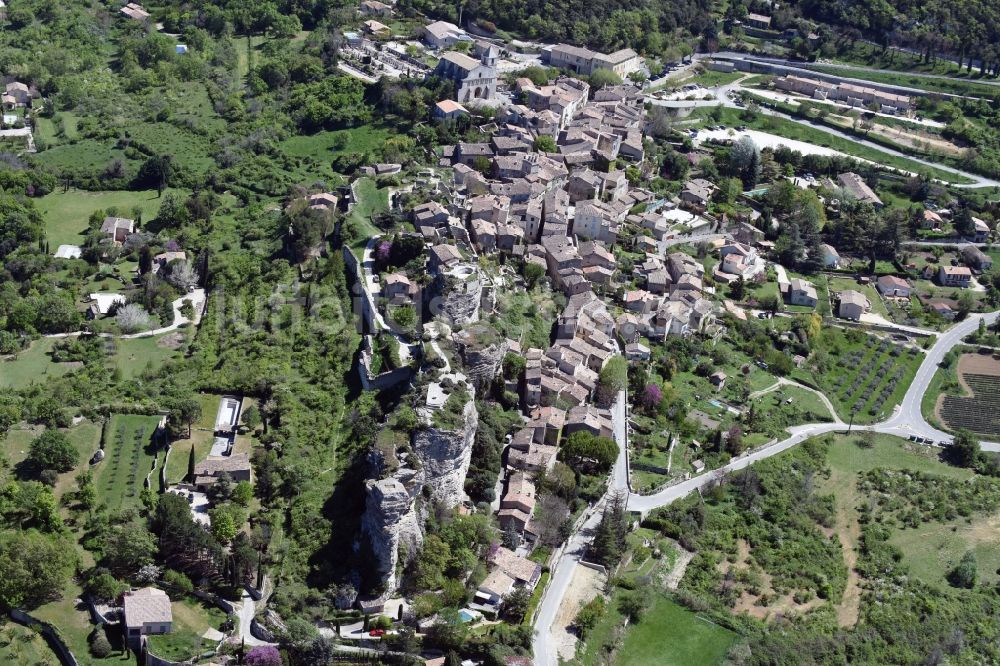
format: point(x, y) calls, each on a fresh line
point(445, 456)
point(457, 298)
point(483, 349)
point(390, 521)
point(393, 515)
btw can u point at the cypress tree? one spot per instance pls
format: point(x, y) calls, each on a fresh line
point(191, 464)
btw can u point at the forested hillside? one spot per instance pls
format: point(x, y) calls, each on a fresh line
point(644, 25)
point(969, 30)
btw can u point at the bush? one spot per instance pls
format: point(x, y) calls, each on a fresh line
point(100, 646)
point(178, 580)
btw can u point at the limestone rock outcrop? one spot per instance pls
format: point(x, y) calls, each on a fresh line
point(395, 506)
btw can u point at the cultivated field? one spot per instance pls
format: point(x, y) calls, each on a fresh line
point(129, 455)
point(979, 409)
point(868, 374)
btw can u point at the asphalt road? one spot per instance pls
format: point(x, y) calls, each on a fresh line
point(722, 97)
point(906, 420)
point(562, 573)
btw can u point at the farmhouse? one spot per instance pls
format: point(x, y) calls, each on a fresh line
point(449, 109)
point(856, 186)
point(17, 94)
point(210, 470)
point(758, 21)
point(147, 611)
point(801, 292)
point(954, 276)
point(893, 286)
point(853, 304)
point(376, 8)
point(976, 258)
point(117, 228)
point(982, 230)
point(135, 11)
point(442, 34)
point(831, 258)
point(376, 29)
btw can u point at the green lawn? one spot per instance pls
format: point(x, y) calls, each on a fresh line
point(73, 623)
point(672, 635)
point(33, 365)
point(191, 619)
point(888, 452)
point(713, 79)
point(371, 200)
point(324, 145)
point(129, 456)
point(136, 354)
point(180, 453)
point(837, 285)
point(22, 645)
point(66, 213)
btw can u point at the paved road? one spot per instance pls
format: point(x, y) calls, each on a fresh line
point(197, 298)
point(246, 612)
point(906, 420)
point(562, 573)
point(722, 97)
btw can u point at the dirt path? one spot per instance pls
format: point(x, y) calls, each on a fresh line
point(673, 579)
point(848, 530)
point(585, 585)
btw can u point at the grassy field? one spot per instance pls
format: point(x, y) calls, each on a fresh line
point(712, 79)
point(33, 365)
point(180, 451)
point(73, 623)
point(128, 459)
point(136, 354)
point(672, 635)
point(932, 549)
point(86, 437)
point(191, 619)
point(371, 200)
point(325, 145)
point(66, 213)
point(668, 634)
point(790, 129)
point(23, 646)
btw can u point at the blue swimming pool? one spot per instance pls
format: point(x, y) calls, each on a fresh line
point(466, 616)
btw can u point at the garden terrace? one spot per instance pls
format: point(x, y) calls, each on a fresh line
point(860, 373)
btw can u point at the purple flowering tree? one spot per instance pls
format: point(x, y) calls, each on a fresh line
point(383, 251)
point(651, 396)
point(263, 655)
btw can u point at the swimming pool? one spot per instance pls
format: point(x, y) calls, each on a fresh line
point(466, 615)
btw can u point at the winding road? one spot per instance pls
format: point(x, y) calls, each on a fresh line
point(905, 421)
point(722, 97)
